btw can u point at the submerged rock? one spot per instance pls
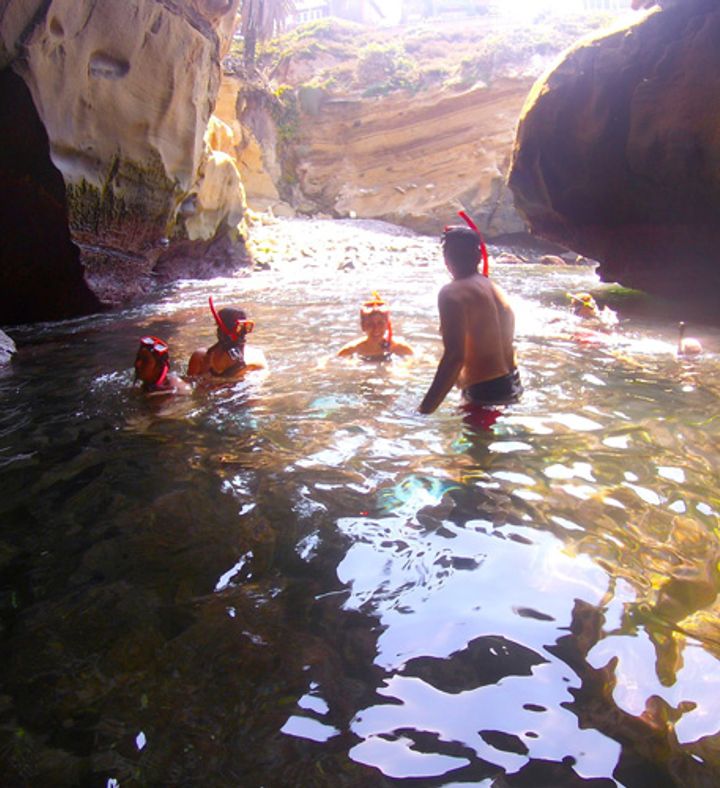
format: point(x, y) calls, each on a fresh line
point(7, 348)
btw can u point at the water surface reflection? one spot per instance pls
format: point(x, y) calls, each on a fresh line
point(297, 580)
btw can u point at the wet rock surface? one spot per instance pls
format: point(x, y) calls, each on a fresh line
point(616, 153)
point(7, 348)
point(124, 104)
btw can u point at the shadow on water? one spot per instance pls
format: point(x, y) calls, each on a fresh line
point(297, 580)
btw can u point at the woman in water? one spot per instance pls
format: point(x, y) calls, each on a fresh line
point(378, 343)
point(152, 367)
point(230, 357)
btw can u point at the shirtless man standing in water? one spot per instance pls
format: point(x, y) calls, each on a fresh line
point(477, 326)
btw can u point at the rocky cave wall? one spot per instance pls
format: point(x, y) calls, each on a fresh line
point(618, 153)
point(121, 95)
point(38, 260)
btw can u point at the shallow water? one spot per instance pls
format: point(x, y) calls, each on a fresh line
point(298, 580)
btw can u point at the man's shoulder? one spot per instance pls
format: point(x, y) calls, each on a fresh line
point(457, 291)
point(451, 289)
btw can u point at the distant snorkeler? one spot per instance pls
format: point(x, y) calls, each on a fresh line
point(687, 346)
point(230, 357)
point(378, 343)
point(152, 368)
point(585, 307)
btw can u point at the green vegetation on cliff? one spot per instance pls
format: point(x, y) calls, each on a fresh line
point(348, 58)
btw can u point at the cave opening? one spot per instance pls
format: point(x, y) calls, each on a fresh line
point(41, 276)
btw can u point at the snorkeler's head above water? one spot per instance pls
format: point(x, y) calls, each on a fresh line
point(152, 361)
point(227, 358)
point(375, 317)
point(463, 248)
point(233, 325)
point(584, 305)
point(378, 343)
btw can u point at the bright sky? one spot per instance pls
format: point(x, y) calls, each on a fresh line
point(527, 9)
point(520, 9)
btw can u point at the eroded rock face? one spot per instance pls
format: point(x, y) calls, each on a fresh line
point(253, 143)
point(412, 160)
point(618, 156)
point(415, 160)
point(125, 92)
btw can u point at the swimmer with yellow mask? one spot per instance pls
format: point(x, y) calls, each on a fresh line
point(585, 307)
point(378, 343)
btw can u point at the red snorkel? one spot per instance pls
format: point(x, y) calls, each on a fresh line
point(160, 351)
point(483, 249)
point(163, 374)
point(246, 326)
point(220, 324)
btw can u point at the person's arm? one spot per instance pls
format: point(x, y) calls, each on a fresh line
point(350, 348)
point(452, 328)
point(197, 364)
point(401, 348)
point(181, 386)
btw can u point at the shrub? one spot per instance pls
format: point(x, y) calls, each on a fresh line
point(385, 67)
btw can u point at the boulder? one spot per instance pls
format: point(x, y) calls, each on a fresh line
point(617, 153)
point(508, 258)
point(552, 259)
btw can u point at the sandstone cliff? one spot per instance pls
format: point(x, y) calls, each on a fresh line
point(618, 152)
point(406, 125)
point(122, 94)
point(414, 160)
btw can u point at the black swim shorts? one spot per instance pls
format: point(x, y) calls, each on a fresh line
point(498, 391)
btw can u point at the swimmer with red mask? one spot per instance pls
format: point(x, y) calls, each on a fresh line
point(378, 343)
point(152, 368)
point(230, 357)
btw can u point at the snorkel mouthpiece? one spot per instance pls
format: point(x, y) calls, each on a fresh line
point(483, 249)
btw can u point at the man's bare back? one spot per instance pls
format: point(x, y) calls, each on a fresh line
point(477, 325)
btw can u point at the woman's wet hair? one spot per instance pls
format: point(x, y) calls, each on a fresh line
point(461, 245)
point(230, 318)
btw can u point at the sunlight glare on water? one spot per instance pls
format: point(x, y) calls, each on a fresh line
point(299, 574)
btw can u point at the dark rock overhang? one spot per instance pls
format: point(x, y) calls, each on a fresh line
point(617, 153)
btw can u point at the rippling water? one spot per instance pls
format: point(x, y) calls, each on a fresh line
point(298, 580)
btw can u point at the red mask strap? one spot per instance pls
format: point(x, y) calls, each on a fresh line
point(220, 323)
point(163, 375)
point(483, 249)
